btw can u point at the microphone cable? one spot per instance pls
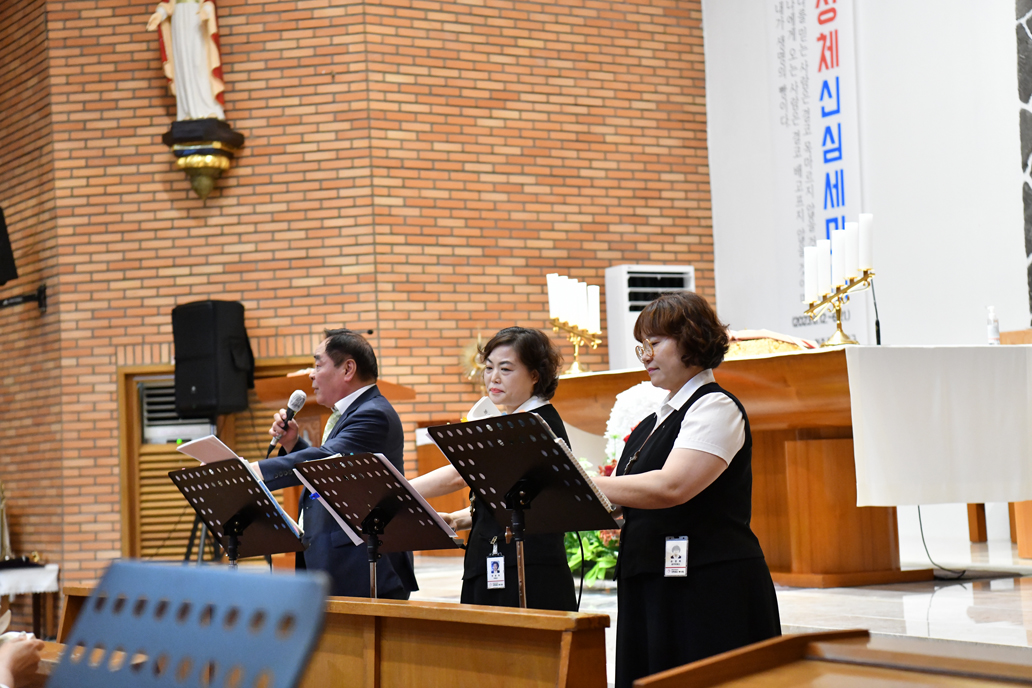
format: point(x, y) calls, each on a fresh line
point(877, 322)
point(920, 525)
point(581, 592)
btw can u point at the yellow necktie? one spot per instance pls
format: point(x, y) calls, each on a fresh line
point(334, 417)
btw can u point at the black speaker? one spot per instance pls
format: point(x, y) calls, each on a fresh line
point(214, 363)
point(8, 271)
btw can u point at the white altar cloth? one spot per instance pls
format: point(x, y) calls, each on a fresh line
point(935, 425)
point(32, 579)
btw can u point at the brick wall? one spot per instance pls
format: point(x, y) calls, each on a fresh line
point(30, 364)
point(411, 167)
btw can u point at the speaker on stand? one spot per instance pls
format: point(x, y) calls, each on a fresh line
point(214, 369)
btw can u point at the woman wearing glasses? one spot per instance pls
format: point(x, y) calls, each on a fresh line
point(692, 578)
point(521, 368)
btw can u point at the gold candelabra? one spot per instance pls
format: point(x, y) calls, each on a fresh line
point(836, 299)
point(578, 338)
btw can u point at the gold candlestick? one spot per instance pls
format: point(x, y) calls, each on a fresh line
point(836, 299)
point(578, 338)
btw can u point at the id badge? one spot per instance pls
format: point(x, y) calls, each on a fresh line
point(676, 561)
point(495, 572)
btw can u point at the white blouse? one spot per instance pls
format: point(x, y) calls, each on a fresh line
point(713, 425)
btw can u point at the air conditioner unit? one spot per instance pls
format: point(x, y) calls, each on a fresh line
point(629, 288)
point(161, 424)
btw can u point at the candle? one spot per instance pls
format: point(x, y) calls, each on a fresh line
point(594, 309)
point(838, 257)
point(851, 250)
point(823, 267)
point(582, 305)
point(552, 279)
point(809, 274)
point(562, 298)
point(866, 242)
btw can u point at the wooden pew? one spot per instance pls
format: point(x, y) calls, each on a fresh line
point(390, 643)
point(853, 658)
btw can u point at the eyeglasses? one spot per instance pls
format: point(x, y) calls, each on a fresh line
point(644, 351)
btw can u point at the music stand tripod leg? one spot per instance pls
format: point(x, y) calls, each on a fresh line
point(200, 546)
point(373, 527)
point(517, 531)
point(516, 501)
point(233, 530)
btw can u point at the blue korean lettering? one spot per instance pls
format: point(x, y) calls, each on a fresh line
point(834, 189)
point(836, 96)
point(832, 145)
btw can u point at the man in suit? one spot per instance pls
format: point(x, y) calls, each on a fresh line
point(344, 379)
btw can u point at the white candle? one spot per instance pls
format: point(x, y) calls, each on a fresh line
point(866, 242)
point(838, 257)
point(594, 309)
point(551, 279)
point(582, 305)
point(823, 267)
point(851, 250)
point(809, 274)
point(562, 298)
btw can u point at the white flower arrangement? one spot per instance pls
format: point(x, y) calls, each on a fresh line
point(632, 406)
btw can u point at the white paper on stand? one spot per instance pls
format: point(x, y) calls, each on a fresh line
point(432, 512)
point(484, 408)
point(207, 449)
point(294, 527)
point(352, 535)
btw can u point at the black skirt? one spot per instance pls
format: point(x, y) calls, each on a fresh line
point(548, 587)
point(664, 623)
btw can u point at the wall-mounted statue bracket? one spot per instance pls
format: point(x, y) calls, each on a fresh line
point(204, 149)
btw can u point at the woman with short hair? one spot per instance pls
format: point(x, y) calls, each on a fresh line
point(692, 579)
point(521, 373)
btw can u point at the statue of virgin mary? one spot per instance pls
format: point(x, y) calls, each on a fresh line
point(189, 39)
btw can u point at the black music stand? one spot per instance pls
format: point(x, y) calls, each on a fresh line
point(238, 509)
point(192, 627)
point(366, 493)
point(514, 461)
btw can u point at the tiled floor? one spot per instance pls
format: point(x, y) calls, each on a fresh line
point(991, 604)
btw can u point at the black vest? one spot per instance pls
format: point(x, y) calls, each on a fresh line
point(716, 520)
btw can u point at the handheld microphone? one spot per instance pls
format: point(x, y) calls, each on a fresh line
point(296, 403)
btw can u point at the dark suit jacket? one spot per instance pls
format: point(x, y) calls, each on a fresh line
point(370, 424)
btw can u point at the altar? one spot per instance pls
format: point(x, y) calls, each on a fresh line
point(904, 419)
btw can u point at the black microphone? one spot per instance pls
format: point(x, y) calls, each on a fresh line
point(296, 403)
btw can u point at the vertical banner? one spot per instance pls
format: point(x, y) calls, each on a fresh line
point(816, 143)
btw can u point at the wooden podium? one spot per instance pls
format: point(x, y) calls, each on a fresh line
point(804, 477)
point(396, 644)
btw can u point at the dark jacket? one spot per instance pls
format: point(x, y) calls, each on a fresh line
point(370, 424)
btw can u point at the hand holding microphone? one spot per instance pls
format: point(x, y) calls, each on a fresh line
point(281, 425)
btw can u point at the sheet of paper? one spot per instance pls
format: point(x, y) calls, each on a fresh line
point(207, 449)
point(432, 512)
point(294, 527)
point(352, 535)
point(484, 408)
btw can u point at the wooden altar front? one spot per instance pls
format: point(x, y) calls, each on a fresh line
point(804, 478)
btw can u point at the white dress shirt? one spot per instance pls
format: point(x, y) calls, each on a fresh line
point(713, 424)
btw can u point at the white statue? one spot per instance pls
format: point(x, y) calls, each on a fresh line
point(188, 30)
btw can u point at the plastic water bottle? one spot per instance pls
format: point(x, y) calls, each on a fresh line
point(994, 327)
